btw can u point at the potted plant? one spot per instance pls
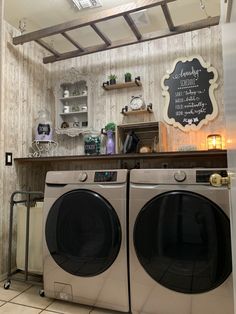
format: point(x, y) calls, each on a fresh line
point(112, 79)
point(109, 131)
point(128, 77)
point(111, 126)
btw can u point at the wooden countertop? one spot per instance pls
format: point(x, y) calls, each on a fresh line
point(205, 154)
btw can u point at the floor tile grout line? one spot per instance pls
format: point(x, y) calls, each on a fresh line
point(19, 293)
point(51, 310)
point(37, 308)
point(30, 306)
point(4, 302)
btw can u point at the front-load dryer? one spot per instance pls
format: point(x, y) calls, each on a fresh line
point(85, 249)
point(180, 247)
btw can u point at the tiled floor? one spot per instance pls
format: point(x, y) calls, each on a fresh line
point(24, 298)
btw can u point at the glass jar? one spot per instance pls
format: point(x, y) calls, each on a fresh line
point(43, 129)
point(92, 144)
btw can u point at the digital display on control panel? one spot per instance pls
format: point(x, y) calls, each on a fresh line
point(203, 176)
point(105, 176)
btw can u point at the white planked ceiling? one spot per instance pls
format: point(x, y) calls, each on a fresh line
point(45, 13)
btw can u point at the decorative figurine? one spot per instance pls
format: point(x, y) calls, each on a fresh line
point(43, 130)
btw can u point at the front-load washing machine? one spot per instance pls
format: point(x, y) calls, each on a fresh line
point(180, 243)
point(85, 249)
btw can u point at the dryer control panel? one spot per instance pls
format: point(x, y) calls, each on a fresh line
point(105, 176)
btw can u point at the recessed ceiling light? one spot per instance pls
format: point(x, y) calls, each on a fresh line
point(85, 4)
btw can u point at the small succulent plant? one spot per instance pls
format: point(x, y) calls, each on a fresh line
point(128, 75)
point(112, 77)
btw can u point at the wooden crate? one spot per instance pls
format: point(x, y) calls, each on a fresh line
point(151, 134)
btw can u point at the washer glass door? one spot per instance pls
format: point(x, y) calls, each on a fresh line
point(182, 240)
point(83, 233)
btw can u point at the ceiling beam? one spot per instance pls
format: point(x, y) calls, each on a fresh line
point(71, 40)
point(132, 25)
point(229, 10)
point(146, 37)
point(47, 47)
point(92, 19)
point(101, 35)
point(168, 17)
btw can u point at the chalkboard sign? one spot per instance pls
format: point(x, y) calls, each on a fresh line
point(188, 90)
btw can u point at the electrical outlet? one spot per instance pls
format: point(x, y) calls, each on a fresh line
point(8, 159)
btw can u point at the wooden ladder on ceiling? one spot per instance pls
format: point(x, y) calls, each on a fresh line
point(120, 11)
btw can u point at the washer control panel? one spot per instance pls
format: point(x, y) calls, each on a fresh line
point(180, 176)
point(105, 176)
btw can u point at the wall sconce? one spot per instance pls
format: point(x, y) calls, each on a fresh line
point(214, 142)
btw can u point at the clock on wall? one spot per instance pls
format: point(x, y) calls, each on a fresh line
point(137, 103)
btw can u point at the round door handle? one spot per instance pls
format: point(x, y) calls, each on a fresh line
point(217, 180)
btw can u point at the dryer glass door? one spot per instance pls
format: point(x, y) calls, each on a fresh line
point(83, 233)
point(182, 240)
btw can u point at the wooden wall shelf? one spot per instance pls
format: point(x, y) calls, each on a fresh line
point(125, 110)
point(130, 113)
point(135, 83)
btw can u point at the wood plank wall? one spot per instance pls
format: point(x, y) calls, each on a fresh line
point(1, 124)
point(149, 61)
point(28, 87)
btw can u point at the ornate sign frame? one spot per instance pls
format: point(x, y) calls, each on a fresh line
point(190, 124)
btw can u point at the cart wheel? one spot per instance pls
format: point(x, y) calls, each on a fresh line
point(7, 285)
point(41, 293)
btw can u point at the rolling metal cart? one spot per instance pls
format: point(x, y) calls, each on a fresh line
point(30, 197)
